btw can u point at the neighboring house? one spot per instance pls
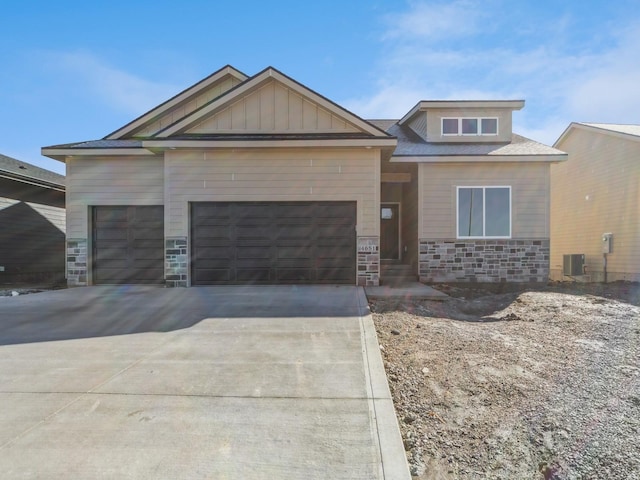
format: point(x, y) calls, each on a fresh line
point(32, 223)
point(261, 180)
point(596, 202)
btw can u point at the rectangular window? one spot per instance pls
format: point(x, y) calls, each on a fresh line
point(484, 212)
point(469, 126)
point(450, 126)
point(489, 126)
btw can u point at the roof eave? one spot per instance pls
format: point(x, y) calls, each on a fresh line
point(479, 158)
point(206, 110)
point(32, 181)
point(375, 142)
point(424, 105)
point(175, 100)
point(61, 154)
point(595, 129)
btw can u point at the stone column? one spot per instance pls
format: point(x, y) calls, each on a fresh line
point(176, 265)
point(77, 262)
point(369, 261)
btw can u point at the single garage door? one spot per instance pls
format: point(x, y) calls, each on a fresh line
point(273, 242)
point(128, 244)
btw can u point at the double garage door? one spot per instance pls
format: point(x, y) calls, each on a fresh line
point(273, 242)
point(231, 243)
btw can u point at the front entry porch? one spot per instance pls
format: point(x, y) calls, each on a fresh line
point(398, 224)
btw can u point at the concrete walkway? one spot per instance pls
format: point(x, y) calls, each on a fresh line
point(205, 382)
point(408, 291)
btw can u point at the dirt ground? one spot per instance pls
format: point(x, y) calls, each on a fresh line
point(538, 383)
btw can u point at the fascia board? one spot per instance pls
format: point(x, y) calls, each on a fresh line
point(172, 102)
point(198, 144)
point(481, 159)
point(93, 152)
point(207, 110)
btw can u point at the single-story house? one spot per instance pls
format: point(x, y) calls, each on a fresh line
point(259, 179)
point(32, 223)
point(595, 199)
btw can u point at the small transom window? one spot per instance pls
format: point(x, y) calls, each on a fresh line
point(469, 126)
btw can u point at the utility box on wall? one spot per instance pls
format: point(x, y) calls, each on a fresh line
point(573, 265)
point(607, 243)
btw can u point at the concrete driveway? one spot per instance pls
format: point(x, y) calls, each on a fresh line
point(206, 382)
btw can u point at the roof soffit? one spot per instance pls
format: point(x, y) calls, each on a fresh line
point(424, 105)
point(272, 103)
point(602, 129)
point(181, 104)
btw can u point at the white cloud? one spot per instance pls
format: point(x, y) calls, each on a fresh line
point(436, 20)
point(607, 91)
point(448, 51)
point(117, 88)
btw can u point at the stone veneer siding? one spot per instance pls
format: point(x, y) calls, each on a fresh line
point(77, 262)
point(368, 261)
point(524, 261)
point(176, 265)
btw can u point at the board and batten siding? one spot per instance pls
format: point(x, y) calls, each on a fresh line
point(529, 184)
point(597, 191)
point(274, 108)
point(110, 181)
point(185, 108)
point(272, 175)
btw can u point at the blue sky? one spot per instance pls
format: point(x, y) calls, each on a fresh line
point(78, 70)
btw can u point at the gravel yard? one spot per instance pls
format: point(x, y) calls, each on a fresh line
point(535, 384)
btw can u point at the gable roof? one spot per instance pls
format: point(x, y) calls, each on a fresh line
point(217, 77)
point(413, 148)
point(28, 173)
point(181, 122)
point(628, 131)
point(269, 73)
point(424, 105)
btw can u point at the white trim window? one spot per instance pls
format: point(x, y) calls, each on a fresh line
point(466, 126)
point(483, 212)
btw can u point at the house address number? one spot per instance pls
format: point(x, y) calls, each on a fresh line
point(367, 246)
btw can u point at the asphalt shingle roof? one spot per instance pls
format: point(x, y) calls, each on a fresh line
point(411, 144)
point(616, 127)
point(18, 168)
point(101, 144)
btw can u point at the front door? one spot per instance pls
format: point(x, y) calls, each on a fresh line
point(390, 231)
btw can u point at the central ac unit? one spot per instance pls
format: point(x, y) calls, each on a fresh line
point(573, 265)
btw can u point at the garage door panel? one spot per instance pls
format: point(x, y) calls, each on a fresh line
point(253, 231)
point(152, 234)
point(277, 242)
point(295, 275)
point(211, 276)
point(296, 210)
point(249, 263)
point(147, 214)
point(110, 232)
point(128, 244)
point(112, 214)
point(257, 251)
point(207, 252)
point(294, 252)
point(216, 263)
point(253, 275)
point(245, 211)
point(332, 252)
point(294, 231)
point(214, 231)
point(333, 275)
